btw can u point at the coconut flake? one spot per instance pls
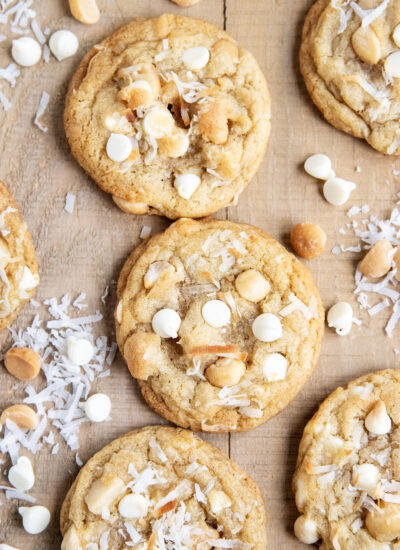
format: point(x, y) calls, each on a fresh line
point(69, 203)
point(157, 449)
point(368, 16)
point(44, 100)
point(145, 232)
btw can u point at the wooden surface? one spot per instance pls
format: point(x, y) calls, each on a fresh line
point(84, 251)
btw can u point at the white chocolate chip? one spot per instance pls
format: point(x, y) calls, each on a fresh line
point(21, 475)
point(71, 540)
point(366, 477)
point(396, 36)
point(80, 350)
point(337, 190)
point(340, 317)
point(218, 500)
point(28, 282)
point(98, 407)
point(63, 44)
point(186, 184)
point(4, 546)
point(196, 58)
point(305, 530)
point(26, 51)
point(133, 506)
point(119, 147)
point(267, 327)
point(102, 495)
point(378, 421)
point(392, 65)
point(319, 166)
point(216, 313)
point(275, 367)
point(158, 123)
point(166, 323)
point(35, 519)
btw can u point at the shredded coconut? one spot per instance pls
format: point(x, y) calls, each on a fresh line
point(44, 100)
point(69, 203)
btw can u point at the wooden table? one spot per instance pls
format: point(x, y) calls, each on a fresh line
point(84, 251)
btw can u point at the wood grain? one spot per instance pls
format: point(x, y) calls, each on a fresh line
point(84, 251)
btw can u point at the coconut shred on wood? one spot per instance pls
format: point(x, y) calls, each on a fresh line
point(57, 402)
point(380, 294)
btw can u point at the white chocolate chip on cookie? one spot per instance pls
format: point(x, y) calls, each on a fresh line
point(133, 506)
point(275, 367)
point(166, 323)
point(186, 184)
point(392, 65)
point(378, 421)
point(216, 313)
point(305, 530)
point(196, 58)
point(366, 477)
point(267, 327)
point(119, 147)
point(252, 285)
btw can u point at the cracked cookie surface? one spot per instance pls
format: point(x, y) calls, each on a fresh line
point(162, 487)
point(170, 116)
point(350, 61)
point(347, 479)
point(220, 324)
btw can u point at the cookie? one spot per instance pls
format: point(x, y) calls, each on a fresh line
point(19, 275)
point(350, 61)
point(347, 479)
point(219, 323)
point(185, 3)
point(170, 116)
point(163, 488)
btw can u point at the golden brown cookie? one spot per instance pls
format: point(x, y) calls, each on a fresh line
point(170, 116)
point(347, 479)
point(350, 60)
point(19, 275)
point(163, 488)
point(219, 323)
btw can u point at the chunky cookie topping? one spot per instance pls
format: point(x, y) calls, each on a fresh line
point(347, 481)
point(350, 59)
point(178, 117)
point(220, 324)
point(162, 488)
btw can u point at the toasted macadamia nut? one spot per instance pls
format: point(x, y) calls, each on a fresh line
point(337, 190)
point(85, 11)
point(252, 285)
point(35, 519)
point(23, 363)
point(22, 415)
point(366, 45)
point(366, 477)
point(218, 501)
point(275, 367)
point(377, 261)
point(21, 475)
point(384, 523)
point(71, 540)
point(318, 166)
point(196, 58)
point(340, 317)
point(186, 184)
point(308, 240)
point(267, 327)
point(158, 123)
point(133, 506)
point(378, 422)
point(26, 51)
point(225, 372)
point(305, 530)
point(216, 313)
point(166, 323)
point(155, 271)
point(225, 53)
point(102, 494)
point(392, 65)
point(213, 121)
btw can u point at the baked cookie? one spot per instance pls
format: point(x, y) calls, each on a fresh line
point(170, 116)
point(350, 60)
point(185, 3)
point(219, 323)
point(347, 479)
point(19, 274)
point(162, 488)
